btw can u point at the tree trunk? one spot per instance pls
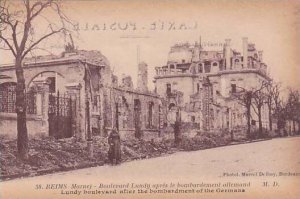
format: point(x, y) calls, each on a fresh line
point(270, 119)
point(294, 126)
point(177, 129)
point(259, 123)
point(248, 122)
point(279, 126)
point(22, 141)
point(177, 132)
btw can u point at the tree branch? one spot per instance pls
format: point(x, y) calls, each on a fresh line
point(14, 36)
point(42, 7)
point(253, 107)
point(27, 26)
point(3, 48)
point(40, 40)
point(42, 49)
point(5, 16)
point(9, 45)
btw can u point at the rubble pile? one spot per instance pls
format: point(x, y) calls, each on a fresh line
point(204, 141)
point(139, 149)
point(47, 155)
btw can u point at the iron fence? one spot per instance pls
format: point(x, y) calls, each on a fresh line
point(60, 105)
point(8, 100)
point(61, 115)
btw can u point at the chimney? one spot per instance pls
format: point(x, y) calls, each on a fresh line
point(142, 80)
point(227, 53)
point(260, 55)
point(245, 52)
point(196, 53)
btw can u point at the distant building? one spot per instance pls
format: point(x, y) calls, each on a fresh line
point(202, 84)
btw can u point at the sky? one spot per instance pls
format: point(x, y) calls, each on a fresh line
point(119, 28)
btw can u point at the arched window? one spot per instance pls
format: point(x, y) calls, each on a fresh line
point(193, 118)
point(233, 88)
point(207, 66)
point(171, 106)
point(124, 112)
point(255, 56)
point(200, 68)
point(215, 64)
point(236, 62)
point(169, 89)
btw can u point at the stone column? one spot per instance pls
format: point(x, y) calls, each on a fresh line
point(42, 102)
point(78, 123)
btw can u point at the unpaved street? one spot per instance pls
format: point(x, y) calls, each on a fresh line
point(254, 163)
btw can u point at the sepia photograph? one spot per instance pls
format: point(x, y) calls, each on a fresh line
point(116, 99)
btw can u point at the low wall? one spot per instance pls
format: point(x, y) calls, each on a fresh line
point(126, 134)
point(8, 125)
point(147, 134)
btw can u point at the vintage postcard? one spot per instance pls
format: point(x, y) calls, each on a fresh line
point(157, 99)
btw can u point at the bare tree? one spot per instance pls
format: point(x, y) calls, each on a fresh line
point(293, 107)
point(245, 98)
point(251, 99)
point(259, 99)
point(281, 115)
point(17, 33)
point(273, 102)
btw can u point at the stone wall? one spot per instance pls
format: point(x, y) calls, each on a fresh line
point(8, 125)
point(94, 86)
point(36, 123)
point(69, 72)
point(183, 83)
point(119, 106)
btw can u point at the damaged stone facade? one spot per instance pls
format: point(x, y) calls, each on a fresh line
point(202, 83)
point(102, 103)
point(134, 112)
point(198, 82)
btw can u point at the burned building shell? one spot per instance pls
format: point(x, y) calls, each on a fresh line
point(202, 83)
point(77, 92)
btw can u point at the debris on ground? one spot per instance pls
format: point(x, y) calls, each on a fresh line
point(48, 154)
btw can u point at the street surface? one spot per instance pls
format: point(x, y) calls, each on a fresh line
point(223, 164)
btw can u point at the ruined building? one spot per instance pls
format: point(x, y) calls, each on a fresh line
point(76, 94)
point(202, 84)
